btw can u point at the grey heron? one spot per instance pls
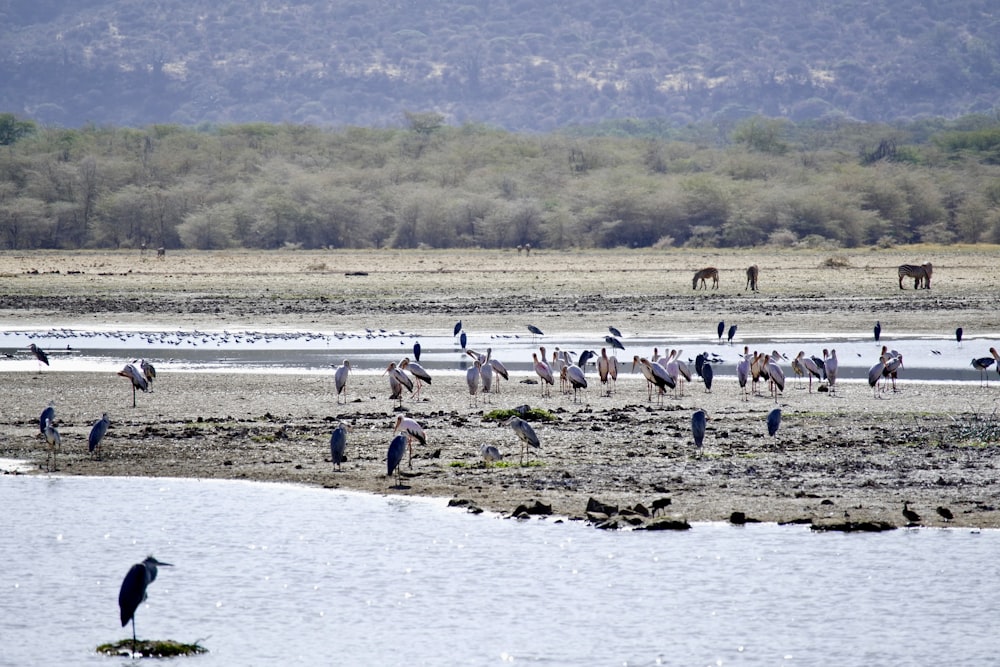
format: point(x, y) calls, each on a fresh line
point(615, 332)
point(39, 355)
point(490, 454)
point(525, 433)
point(54, 444)
point(48, 414)
point(338, 445)
point(721, 329)
point(133, 590)
point(97, 432)
point(706, 375)
point(698, 420)
point(395, 456)
point(773, 421)
point(340, 379)
point(148, 372)
point(731, 334)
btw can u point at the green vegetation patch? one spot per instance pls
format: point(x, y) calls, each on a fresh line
point(146, 648)
point(530, 415)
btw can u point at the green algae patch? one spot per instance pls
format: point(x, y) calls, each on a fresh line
point(147, 648)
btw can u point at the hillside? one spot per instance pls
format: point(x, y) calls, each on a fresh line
point(514, 64)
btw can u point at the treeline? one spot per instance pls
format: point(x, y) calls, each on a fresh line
point(633, 184)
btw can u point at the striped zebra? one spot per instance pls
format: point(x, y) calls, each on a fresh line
point(921, 275)
point(705, 274)
point(751, 278)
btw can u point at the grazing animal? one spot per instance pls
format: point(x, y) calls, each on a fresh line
point(703, 276)
point(133, 591)
point(752, 272)
point(921, 274)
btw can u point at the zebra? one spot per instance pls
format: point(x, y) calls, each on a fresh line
point(921, 275)
point(705, 274)
point(752, 272)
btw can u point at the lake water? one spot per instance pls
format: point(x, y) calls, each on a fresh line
point(278, 574)
point(926, 357)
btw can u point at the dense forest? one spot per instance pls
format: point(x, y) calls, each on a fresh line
point(512, 64)
point(760, 180)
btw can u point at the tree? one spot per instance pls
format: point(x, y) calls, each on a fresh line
point(12, 130)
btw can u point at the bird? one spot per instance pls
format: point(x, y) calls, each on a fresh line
point(133, 590)
point(97, 433)
point(706, 375)
point(40, 355)
point(416, 351)
point(614, 343)
point(148, 372)
point(397, 381)
point(535, 331)
point(909, 514)
point(773, 421)
point(698, 420)
point(472, 378)
point(544, 373)
point(576, 378)
point(498, 368)
point(615, 332)
point(418, 372)
point(136, 377)
point(878, 331)
point(721, 329)
point(54, 445)
point(412, 430)
point(875, 374)
point(48, 414)
point(490, 454)
point(831, 365)
point(775, 375)
point(808, 367)
point(742, 375)
point(892, 365)
point(458, 327)
point(525, 433)
point(996, 357)
point(656, 376)
point(944, 513)
point(731, 334)
point(463, 339)
point(982, 364)
point(338, 444)
point(958, 336)
point(340, 379)
point(395, 456)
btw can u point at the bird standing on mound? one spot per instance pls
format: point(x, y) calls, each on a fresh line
point(133, 590)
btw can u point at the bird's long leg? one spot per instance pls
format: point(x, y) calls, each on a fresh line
point(409, 446)
point(133, 636)
point(133, 395)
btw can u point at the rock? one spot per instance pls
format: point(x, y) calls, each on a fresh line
point(594, 505)
point(597, 517)
point(855, 526)
point(610, 524)
point(534, 509)
point(459, 502)
point(740, 518)
point(667, 524)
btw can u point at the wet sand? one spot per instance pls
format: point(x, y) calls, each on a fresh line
point(836, 457)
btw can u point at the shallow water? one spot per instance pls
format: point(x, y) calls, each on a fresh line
point(278, 574)
point(926, 358)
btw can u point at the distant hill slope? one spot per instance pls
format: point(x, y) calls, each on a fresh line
point(517, 64)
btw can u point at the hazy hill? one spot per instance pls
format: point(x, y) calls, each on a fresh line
point(518, 64)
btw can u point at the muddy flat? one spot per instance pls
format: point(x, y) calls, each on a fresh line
point(852, 454)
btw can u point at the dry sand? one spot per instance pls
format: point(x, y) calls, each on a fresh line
point(836, 457)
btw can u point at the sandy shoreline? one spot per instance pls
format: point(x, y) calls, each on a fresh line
point(844, 457)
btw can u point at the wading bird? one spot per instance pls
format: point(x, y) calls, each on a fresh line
point(397, 381)
point(54, 444)
point(656, 376)
point(137, 379)
point(982, 364)
point(97, 433)
point(544, 373)
point(742, 375)
point(133, 591)
point(958, 336)
point(615, 332)
point(731, 334)
point(698, 420)
point(775, 376)
point(877, 331)
point(340, 379)
point(498, 368)
point(416, 351)
point(773, 421)
point(875, 374)
point(831, 365)
point(418, 372)
point(525, 433)
point(806, 366)
point(148, 372)
point(395, 456)
point(576, 378)
point(490, 454)
point(472, 378)
point(48, 414)
point(39, 355)
point(614, 343)
point(463, 339)
point(412, 430)
point(706, 375)
point(721, 329)
point(458, 327)
point(535, 331)
point(338, 445)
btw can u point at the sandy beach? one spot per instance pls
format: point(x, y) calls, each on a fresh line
point(837, 457)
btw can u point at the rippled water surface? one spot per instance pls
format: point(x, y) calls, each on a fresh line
point(277, 574)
